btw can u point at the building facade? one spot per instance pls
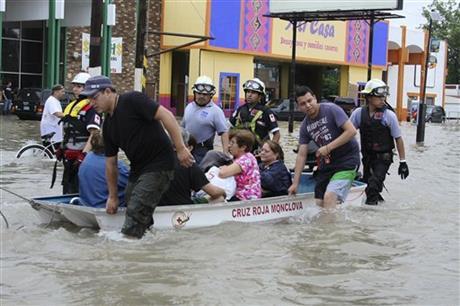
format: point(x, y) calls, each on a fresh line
point(25, 42)
point(331, 57)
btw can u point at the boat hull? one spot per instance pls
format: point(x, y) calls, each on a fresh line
point(189, 216)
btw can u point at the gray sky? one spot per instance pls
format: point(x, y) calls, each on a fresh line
point(412, 9)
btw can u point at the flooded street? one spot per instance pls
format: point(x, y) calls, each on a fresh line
point(404, 252)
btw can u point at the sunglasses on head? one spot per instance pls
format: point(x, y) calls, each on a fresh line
point(206, 88)
point(253, 85)
point(380, 91)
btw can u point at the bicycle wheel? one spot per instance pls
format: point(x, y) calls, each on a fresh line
point(34, 151)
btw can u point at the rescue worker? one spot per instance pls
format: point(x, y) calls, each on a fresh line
point(79, 121)
point(379, 129)
point(203, 119)
point(255, 116)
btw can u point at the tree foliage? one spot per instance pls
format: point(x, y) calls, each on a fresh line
point(447, 29)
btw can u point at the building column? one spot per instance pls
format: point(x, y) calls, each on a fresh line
point(52, 69)
point(1, 39)
point(106, 44)
point(402, 59)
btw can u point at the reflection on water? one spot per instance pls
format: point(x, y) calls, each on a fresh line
point(403, 252)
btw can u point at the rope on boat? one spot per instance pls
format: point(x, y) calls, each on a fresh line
point(4, 218)
point(357, 197)
point(15, 194)
point(27, 200)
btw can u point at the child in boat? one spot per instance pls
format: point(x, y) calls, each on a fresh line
point(91, 176)
point(274, 176)
point(244, 166)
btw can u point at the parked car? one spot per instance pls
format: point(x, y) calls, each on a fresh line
point(282, 111)
point(30, 102)
point(347, 104)
point(435, 113)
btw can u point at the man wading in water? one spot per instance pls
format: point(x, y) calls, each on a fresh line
point(134, 123)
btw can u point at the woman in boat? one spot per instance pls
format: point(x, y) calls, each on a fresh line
point(274, 176)
point(244, 167)
point(91, 176)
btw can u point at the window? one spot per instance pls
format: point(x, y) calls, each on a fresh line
point(10, 55)
point(361, 97)
point(31, 61)
point(229, 91)
point(270, 74)
point(22, 53)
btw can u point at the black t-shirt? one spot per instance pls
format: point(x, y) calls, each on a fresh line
point(133, 129)
point(185, 180)
point(9, 93)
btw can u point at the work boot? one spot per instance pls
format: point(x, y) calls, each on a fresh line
point(372, 200)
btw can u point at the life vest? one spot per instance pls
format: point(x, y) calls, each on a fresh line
point(375, 137)
point(247, 120)
point(73, 125)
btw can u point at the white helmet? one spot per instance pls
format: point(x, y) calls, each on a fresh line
point(375, 87)
point(254, 84)
point(204, 85)
point(81, 78)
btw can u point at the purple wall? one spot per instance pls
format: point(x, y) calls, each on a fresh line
point(357, 44)
point(225, 23)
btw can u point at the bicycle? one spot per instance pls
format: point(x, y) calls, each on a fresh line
point(37, 150)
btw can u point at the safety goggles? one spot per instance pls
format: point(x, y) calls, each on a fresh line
point(251, 85)
point(380, 91)
point(204, 88)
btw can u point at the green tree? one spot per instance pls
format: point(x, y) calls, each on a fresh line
point(447, 29)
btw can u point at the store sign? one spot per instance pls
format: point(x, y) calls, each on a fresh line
point(116, 50)
point(321, 40)
point(278, 6)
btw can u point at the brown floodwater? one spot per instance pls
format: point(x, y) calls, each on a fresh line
point(404, 252)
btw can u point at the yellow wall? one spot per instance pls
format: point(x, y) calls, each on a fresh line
point(359, 74)
point(165, 73)
point(213, 63)
point(284, 90)
point(185, 17)
point(194, 68)
point(328, 47)
point(344, 80)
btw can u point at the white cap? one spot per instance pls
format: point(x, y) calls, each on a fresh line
point(81, 78)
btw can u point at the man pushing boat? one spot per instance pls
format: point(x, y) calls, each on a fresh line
point(134, 123)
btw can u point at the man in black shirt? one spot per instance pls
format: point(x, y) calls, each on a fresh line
point(188, 179)
point(134, 123)
point(7, 98)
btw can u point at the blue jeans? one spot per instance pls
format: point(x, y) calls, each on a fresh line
point(6, 106)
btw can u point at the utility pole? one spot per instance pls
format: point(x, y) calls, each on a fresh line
point(420, 137)
point(95, 39)
point(292, 78)
point(141, 30)
point(371, 45)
